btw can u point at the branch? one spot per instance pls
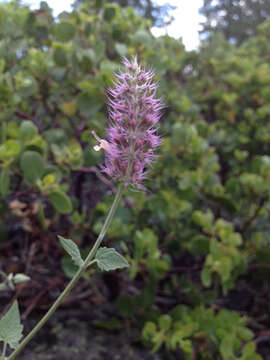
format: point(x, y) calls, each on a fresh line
point(253, 217)
point(22, 115)
point(94, 170)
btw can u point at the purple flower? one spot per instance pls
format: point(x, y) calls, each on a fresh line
point(134, 112)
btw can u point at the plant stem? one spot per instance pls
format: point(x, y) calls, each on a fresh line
point(88, 261)
point(4, 351)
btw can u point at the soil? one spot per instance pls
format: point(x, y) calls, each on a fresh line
point(80, 335)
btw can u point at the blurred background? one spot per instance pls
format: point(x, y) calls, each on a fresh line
point(197, 240)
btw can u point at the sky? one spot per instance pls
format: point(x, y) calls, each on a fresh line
point(186, 23)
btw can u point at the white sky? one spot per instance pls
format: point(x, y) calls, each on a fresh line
point(185, 25)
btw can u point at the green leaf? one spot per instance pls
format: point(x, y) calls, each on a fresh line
point(4, 182)
point(60, 201)
point(28, 130)
point(64, 31)
point(158, 340)
point(9, 150)
point(32, 165)
point(143, 37)
point(109, 12)
point(245, 333)
point(11, 327)
point(59, 56)
point(19, 278)
point(68, 266)
point(227, 347)
point(206, 277)
point(109, 259)
point(121, 49)
point(149, 331)
point(248, 349)
point(186, 346)
point(164, 322)
point(88, 105)
point(72, 249)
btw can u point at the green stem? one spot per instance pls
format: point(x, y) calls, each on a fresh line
point(4, 351)
point(88, 261)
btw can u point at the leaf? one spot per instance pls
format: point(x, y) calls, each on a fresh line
point(165, 322)
point(68, 266)
point(88, 105)
point(32, 165)
point(11, 327)
point(19, 278)
point(142, 37)
point(4, 182)
point(72, 249)
point(249, 349)
point(149, 331)
point(109, 12)
point(59, 56)
point(245, 333)
point(206, 277)
point(28, 130)
point(68, 107)
point(9, 150)
point(109, 259)
point(64, 31)
point(121, 49)
point(60, 201)
point(227, 347)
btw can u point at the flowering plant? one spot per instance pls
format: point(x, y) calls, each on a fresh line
point(134, 112)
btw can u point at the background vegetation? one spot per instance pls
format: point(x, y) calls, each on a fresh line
point(198, 240)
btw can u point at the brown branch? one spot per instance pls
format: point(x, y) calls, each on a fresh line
point(34, 302)
point(184, 269)
point(23, 115)
point(253, 217)
point(94, 170)
point(258, 267)
point(76, 129)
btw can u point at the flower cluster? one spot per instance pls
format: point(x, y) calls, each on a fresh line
point(134, 112)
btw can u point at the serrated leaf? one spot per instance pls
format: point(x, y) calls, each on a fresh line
point(11, 327)
point(109, 259)
point(19, 278)
point(68, 266)
point(72, 249)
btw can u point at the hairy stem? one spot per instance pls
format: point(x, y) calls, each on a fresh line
point(88, 261)
point(4, 351)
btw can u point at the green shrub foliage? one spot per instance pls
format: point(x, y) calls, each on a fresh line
point(205, 220)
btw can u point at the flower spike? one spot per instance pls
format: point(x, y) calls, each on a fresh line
point(134, 112)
